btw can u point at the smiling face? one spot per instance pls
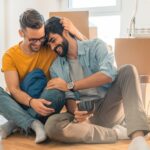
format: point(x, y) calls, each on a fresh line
point(34, 38)
point(58, 43)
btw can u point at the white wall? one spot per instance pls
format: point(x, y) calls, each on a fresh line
point(2, 28)
point(126, 14)
point(142, 17)
point(2, 36)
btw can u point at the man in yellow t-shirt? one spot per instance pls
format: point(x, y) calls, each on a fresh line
point(17, 62)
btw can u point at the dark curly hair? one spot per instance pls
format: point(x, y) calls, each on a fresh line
point(53, 25)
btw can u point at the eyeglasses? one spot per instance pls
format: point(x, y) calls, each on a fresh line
point(33, 41)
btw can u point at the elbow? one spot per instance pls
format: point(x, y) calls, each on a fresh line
point(13, 90)
point(110, 80)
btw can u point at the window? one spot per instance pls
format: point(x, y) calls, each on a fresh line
point(92, 3)
point(108, 27)
point(104, 15)
point(96, 5)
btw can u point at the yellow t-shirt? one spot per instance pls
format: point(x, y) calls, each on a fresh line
point(15, 59)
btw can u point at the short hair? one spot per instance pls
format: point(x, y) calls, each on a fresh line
point(31, 18)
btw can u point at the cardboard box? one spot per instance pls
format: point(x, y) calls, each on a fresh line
point(134, 51)
point(79, 18)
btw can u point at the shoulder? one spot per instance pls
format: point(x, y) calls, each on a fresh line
point(58, 63)
point(97, 43)
point(92, 44)
point(48, 52)
point(11, 51)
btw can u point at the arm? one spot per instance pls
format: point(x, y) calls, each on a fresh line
point(71, 105)
point(57, 75)
point(69, 26)
point(106, 72)
point(14, 88)
point(79, 115)
point(22, 97)
point(95, 80)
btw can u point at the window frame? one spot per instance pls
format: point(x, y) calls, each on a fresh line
point(99, 11)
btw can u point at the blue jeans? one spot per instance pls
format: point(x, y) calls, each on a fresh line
point(22, 116)
point(58, 101)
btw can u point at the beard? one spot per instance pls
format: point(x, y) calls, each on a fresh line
point(64, 47)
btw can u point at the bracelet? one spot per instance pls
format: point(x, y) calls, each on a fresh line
point(30, 101)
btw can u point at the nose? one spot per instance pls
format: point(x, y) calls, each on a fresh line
point(52, 46)
point(38, 43)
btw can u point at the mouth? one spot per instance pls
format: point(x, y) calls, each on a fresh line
point(58, 49)
point(35, 48)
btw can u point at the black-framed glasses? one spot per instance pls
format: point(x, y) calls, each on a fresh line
point(33, 41)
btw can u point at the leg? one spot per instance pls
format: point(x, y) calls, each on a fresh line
point(134, 109)
point(16, 114)
point(123, 96)
point(13, 111)
point(61, 128)
point(127, 88)
point(58, 101)
point(56, 97)
point(128, 81)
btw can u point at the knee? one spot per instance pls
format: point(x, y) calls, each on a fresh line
point(55, 125)
point(51, 128)
point(52, 94)
point(128, 70)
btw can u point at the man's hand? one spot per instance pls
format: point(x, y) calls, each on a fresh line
point(81, 116)
point(69, 26)
point(39, 105)
point(57, 83)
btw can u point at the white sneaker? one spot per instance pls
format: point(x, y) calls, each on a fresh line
point(139, 143)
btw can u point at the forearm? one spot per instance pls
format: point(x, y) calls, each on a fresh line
point(92, 81)
point(20, 96)
point(80, 36)
point(71, 106)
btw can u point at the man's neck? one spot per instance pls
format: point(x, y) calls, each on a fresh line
point(26, 49)
point(73, 49)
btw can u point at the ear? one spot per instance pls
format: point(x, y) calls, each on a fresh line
point(21, 33)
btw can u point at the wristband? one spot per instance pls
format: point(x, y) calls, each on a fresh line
point(30, 101)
